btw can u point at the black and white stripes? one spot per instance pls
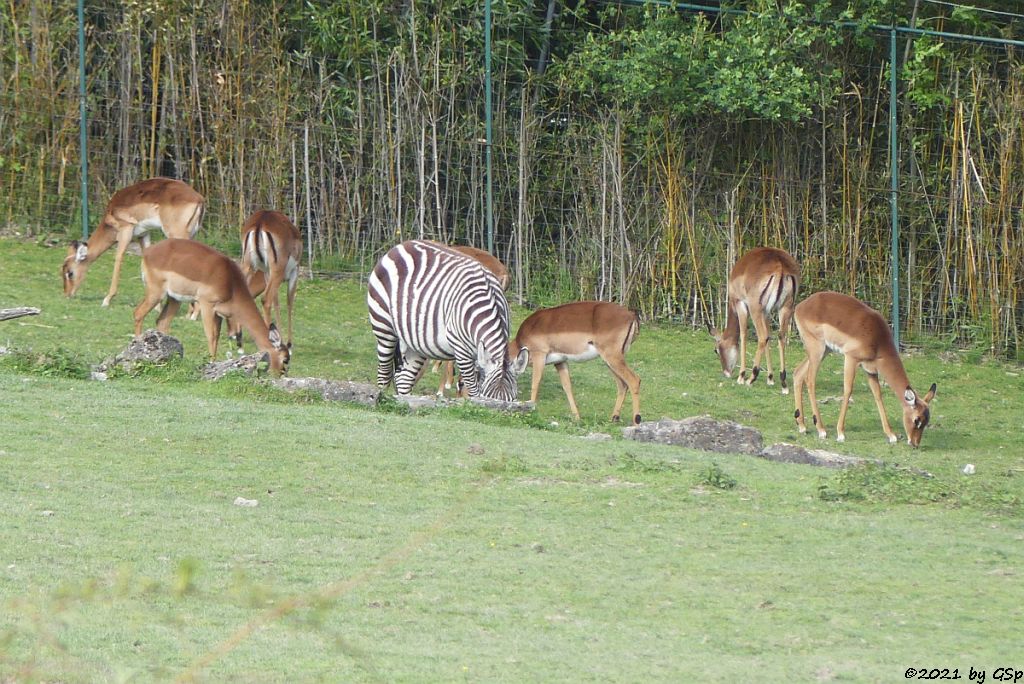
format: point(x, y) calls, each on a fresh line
point(430, 302)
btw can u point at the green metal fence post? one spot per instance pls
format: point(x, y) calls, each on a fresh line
point(82, 121)
point(894, 189)
point(489, 115)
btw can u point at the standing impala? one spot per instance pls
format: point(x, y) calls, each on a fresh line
point(272, 244)
point(838, 322)
point(762, 281)
point(183, 270)
point(581, 331)
point(170, 205)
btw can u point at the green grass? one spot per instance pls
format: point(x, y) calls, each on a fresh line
point(465, 545)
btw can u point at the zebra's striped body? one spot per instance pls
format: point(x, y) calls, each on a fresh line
point(427, 301)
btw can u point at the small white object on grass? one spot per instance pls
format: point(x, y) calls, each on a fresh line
point(969, 469)
point(248, 503)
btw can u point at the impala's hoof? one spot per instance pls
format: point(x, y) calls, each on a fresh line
point(802, 429)
point(785, 390)
point(893, 439)
point(822, 434)
point(636, 419)
point(840, 438)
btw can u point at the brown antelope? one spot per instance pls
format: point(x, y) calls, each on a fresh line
point(762, 281)
point(581, 331)
point(492, 264)
point(272, 244)
point(183, 270)
point(838, 322)
point(164, 203)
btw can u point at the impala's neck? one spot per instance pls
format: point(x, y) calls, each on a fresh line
point(731, 334)
point(249, 318)
point(100, 241)
point(890, 367)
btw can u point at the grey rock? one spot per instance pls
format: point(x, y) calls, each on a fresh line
point(152, 346)
point(248, 363)
point(699, 432)
point(330, 390)
point(792, 453)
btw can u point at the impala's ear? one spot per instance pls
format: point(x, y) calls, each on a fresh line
point(275, 336)
point(81, 252)
point(931, 394)
point(909, 397)
point(520, 362)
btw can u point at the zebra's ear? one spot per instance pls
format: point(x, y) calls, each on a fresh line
point(521, 361)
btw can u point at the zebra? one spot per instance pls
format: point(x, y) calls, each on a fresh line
point(427, 301)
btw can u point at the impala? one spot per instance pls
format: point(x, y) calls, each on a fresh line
point(272, 244)
point(183, 270)
point(764, 280)
point(170, 205)
point(837, 322)
point(492, 264)
point(581, 331)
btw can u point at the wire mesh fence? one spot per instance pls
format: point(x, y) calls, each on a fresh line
point(637, 150)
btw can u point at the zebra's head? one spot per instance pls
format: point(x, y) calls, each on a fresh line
point(499, 375)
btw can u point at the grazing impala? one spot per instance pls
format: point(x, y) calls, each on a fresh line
point(581, 331)
point(183, 270)
point(164, 203)
point(492, 264)
point(272, 244)
point(762, 281)
point(838, 322)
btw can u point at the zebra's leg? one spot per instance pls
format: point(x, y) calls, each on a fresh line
point(467, 376)
point(406, 377)
point(386, 348)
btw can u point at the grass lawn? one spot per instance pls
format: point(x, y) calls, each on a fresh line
point(462, 545)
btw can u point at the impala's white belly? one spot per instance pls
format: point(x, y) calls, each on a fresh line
point(145, 225)
point(557, 357)
point(180, 297)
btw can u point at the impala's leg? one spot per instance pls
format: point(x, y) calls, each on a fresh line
point(563, 375)
point(741, 316)
point(876, 392)
point(124, 239)
point(798, 397)
point(163, 321)
point(271, 297)
point(813, 362)
point(447, 376)
point(293, 283)
point(849, 375)
point(211, 326)
point(538, 371)
point(625, 378)
point(411, 367)
point(761, 329)
point(785, 317)
point(148, 303)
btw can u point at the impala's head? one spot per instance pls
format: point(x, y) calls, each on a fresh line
point(498, 374)
point(916, 414)
point(280, 353)
point(728, 352)
point(72, 271)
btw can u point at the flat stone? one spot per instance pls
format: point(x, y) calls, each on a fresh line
point(793, 453)
point(249, 364)
point(331, 390)
point(699, 432)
